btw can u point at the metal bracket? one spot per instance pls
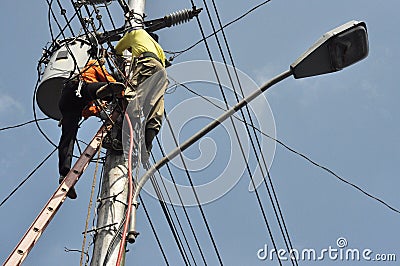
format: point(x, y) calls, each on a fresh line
point(99, 228)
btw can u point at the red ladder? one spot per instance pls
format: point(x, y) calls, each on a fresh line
point(32, 235)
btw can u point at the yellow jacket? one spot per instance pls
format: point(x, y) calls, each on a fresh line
point(138, 42)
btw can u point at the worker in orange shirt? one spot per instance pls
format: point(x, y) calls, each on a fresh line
point(78, 94)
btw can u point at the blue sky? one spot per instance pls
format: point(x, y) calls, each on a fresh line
point(346, 121)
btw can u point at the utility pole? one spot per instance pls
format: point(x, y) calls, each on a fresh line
point(114, 188)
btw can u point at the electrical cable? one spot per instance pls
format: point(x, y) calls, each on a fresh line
point(130, 193)
point(233, 124)
point(173, 209)
point(154, 230)
point(299, 154)
point(63, 13)
point(23, 124)
point(180, 199)
point(196, 196)
point(337, 176)
point(178, 53)
point(36, 120)
point(55, 19)
point(117, 236)
point(109, 15)
point(29, 176)
point(34, 112)
point(252, 125)
point(274, 200)
point(49, 20)
point(66, 26)
point(170, 222)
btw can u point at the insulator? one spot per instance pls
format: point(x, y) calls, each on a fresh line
point(179, 17)
point(172, 19)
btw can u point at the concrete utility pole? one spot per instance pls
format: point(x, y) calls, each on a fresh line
point(114, 188)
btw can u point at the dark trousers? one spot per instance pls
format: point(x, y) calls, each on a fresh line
point(71, 107)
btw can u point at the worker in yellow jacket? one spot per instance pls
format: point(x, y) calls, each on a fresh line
point(78, 94)
point(148, 58)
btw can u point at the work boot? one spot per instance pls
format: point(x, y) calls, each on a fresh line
point(113, 88)
point(148, 138)
point(72, 192)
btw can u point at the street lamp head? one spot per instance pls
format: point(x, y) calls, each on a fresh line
point(335, 50)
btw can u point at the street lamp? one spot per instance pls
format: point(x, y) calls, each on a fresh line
point(335, 50)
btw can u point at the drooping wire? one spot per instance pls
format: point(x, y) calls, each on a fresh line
point(49, 11)
point(197, 198)
point(175, 54)
point(234, 127)
point(55, 19)
point(169, 219)
point(180, 198)
point(36, 120)
point(29, 176)
point(61, 33)
point(23, 124)
point(273, 199)
point(63, 13)
point(337, 176)
point(298, 153)
point(173, 209)
point(35, 115)
point(109, 15)
point(154, 231)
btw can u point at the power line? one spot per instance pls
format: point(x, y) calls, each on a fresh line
point(233, 124)
point(171, 223)
point(190, 180)
point(300, 154)
point(179, 195)
point(23, 124)
point(196, 197)
point(154, 231)
point(337, 176)
point(173, 209)
point(26, 179)
point(274, 200)
point(35, 115)
point(178, 53)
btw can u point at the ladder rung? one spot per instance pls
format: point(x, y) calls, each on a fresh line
point(50, 209)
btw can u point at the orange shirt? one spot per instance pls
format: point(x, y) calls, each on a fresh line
point(94, 73)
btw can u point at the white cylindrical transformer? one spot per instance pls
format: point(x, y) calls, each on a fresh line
point(65, 62)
